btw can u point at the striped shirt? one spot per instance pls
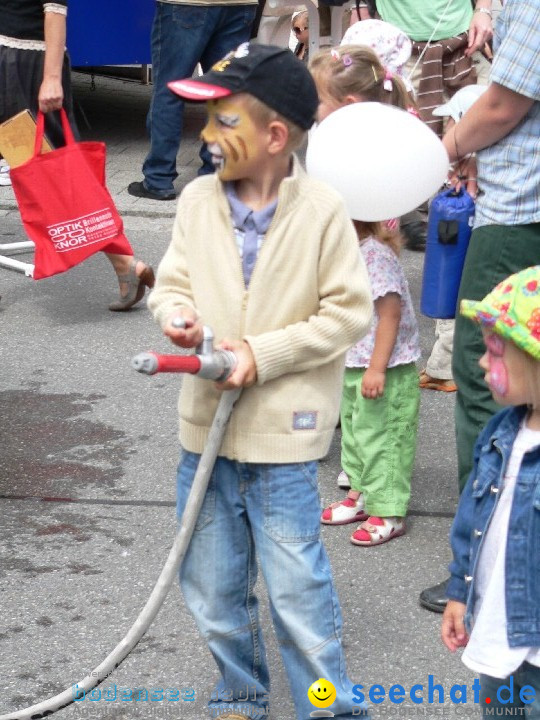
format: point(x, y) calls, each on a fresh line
point(444, 67)
point(509, 170)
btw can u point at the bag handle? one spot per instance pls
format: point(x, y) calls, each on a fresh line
point(40, 130)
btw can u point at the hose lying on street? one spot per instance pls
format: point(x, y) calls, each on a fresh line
point(164, 582)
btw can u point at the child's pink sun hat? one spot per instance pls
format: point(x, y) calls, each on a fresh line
point(391, 45)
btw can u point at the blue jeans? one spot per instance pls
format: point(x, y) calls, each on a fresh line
point(182, 36)
point(525, 675)
point(269, 513)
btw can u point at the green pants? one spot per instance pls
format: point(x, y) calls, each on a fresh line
point(378, 440)
point(494, 253)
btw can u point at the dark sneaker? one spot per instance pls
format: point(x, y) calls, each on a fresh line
point(415, 235)
point(138, 189)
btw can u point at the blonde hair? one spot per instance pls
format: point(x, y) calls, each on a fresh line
point(531, 371)
point(263, 115)
point(381, 232)
point(357, 70)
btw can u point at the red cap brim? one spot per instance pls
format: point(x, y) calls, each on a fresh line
point(194, 90)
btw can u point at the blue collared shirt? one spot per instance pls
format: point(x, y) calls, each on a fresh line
point(250, 227)
point(509, 170)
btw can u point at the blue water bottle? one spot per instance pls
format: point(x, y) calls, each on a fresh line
point(450, 221)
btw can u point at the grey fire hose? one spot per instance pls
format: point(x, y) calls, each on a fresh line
point(216, 365)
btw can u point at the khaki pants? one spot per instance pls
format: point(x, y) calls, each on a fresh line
point(439, 364)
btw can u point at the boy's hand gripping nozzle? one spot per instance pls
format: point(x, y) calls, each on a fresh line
point(207, 363)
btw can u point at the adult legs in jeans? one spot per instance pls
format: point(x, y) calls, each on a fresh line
point(253, 509)
point(182, 36)
point(504, 695)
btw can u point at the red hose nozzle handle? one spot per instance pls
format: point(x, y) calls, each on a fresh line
point(208, 363)
point(150, 363)
point(215, 366)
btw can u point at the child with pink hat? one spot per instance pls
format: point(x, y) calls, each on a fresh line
point(391, 45)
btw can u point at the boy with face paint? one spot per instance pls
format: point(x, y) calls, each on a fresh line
point(494, 608)
point(269, 259)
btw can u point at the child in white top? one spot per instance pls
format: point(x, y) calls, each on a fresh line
point(380, 400)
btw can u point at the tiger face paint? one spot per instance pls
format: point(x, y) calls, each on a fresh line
point(233, 138)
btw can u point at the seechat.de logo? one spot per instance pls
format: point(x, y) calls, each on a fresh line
point(321, 694)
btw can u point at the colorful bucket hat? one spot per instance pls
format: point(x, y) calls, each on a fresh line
point(512, 310)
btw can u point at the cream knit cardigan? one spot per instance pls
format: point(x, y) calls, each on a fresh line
point(308, 301)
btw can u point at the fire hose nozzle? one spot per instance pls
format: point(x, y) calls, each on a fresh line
point(207, 363)
point(217, 365)
point(145, 362)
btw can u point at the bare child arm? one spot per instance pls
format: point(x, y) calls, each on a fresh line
point(388, 309)
point(453, 631)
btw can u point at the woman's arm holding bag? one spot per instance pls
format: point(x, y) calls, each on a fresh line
point(51, 94)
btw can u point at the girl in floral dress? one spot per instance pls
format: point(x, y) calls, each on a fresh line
point(381, 397)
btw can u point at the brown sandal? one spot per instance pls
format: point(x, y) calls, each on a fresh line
point(137, 285)
point(430, 383)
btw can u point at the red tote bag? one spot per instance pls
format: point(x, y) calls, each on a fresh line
point(65, 207)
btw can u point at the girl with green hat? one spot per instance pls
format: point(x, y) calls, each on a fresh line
point(494, 591)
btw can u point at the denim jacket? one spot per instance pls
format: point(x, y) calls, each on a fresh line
point(474, 513)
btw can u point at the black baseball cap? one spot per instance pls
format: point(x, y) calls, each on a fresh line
point(272, 74)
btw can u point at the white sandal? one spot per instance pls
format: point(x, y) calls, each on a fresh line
point(344, 511)
point(378, 530)
point(343, 481)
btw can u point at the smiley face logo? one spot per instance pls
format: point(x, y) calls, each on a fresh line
point(322, 693)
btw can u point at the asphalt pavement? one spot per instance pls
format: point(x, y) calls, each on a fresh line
point(88, 453)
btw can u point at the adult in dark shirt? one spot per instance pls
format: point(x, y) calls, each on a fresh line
point(34, 67)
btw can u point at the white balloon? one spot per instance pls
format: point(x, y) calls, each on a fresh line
point(383, 161)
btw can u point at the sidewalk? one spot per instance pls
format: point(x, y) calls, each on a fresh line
point(89, 450)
